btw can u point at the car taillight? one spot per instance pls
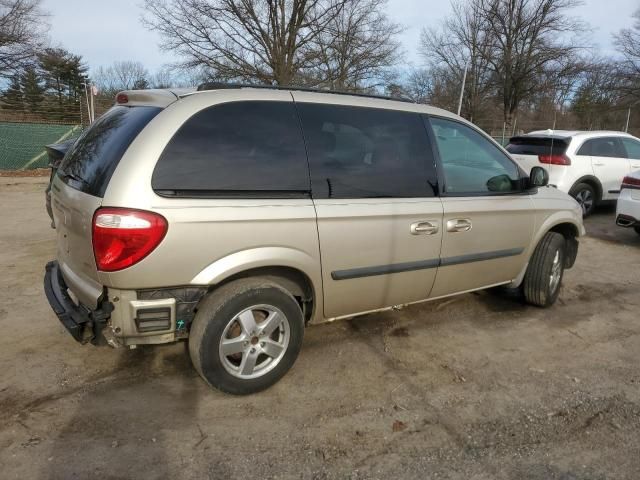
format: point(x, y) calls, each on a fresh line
point(122, 237)
point(554, 159)
point(122, 98)
point(630, 182)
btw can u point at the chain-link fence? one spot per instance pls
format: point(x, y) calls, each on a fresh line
point(25, 131)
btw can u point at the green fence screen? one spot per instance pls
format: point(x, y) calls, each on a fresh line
point(22, 144)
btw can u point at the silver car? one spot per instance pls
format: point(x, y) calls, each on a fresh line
point(234, 216)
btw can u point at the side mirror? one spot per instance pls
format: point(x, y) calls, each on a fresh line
point(539, 177)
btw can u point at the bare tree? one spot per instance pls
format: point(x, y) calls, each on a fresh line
point(418, 86)
point(462, 42)
point(122, 75)
point(596, 102)
point(526, 38)
point(266, 41)
point(356, 46)
point(628, 41)
point(23, 27)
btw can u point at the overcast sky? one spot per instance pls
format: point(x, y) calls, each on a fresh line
point(106, 31)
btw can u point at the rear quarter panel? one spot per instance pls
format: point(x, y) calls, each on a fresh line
point(209, 239)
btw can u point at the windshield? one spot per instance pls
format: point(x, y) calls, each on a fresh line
point(90, 162)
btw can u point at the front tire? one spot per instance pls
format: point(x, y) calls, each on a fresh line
point(586, 196)
point(246, 336)
point(542, 281)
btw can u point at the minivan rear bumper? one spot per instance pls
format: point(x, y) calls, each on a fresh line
point(83, 324)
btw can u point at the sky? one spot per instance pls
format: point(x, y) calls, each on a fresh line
point(106, 31)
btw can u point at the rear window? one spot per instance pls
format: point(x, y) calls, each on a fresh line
point(90, 162)
point(252, 148)
point(538, 146)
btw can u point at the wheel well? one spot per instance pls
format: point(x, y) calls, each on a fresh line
point(568, 230)
point(570, 233)
point(593, 182)
point(292, 280)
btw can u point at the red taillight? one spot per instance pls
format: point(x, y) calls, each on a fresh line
point(122, 237)
point(554, 159)
point(630, 182)
point(122, 98)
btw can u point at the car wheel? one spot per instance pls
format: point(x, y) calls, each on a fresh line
point(586, 196)
point(544, 274)
point(246, 336)
point(637, 229)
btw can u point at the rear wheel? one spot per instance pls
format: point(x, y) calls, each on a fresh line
point(542, 281)
point(246, 336)
point(586, 196)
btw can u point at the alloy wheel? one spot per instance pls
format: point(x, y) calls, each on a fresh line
point(254, 342)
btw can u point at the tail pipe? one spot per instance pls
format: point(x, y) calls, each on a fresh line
point(626, 221)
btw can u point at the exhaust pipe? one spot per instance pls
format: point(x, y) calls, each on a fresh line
point(624, 221)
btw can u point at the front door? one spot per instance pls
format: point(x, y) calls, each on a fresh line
point(488, 220)
point(379, 219)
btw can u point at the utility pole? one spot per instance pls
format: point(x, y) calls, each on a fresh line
point(626, 128)
point(93, 112)
point(86, 96)
point(464, 80)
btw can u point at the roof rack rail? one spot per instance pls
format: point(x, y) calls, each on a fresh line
point(229, 86)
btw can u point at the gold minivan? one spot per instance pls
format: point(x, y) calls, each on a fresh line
point(233, 216)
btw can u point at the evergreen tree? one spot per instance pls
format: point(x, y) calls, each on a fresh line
point(13, 98)
point(64, 74)
point(32, 89)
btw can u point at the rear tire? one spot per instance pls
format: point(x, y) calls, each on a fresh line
point(246, 336)
point(542, 281)
point(586, 196)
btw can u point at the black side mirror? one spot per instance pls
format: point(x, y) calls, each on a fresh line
point(500, 183)
point(539, 177)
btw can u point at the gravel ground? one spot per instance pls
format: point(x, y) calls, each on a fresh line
point(472, 387)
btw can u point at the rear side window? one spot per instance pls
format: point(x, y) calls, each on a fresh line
point(357, 152)
point(632, 147)
point(252, 148)
point(90, 162)
point(602, 147)
point(537, 146)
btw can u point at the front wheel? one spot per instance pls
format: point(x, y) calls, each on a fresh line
point(246, 336)
point(544, 274)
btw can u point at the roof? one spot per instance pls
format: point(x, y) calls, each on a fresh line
point(232, 86)
point(301, 94)
point(574, 133)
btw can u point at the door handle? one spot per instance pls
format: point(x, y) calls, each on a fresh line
point(598, 164)
point(459, 225)
point(424, 228)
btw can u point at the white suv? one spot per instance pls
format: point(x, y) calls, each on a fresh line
point(589, 166)
point(628, 208)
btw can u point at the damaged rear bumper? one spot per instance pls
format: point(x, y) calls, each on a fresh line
point(83, 324)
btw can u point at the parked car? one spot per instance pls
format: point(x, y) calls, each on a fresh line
point(587, 165)
point(234, 216)
point(628, 207)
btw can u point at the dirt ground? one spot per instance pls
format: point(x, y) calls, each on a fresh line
point(473, 387)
